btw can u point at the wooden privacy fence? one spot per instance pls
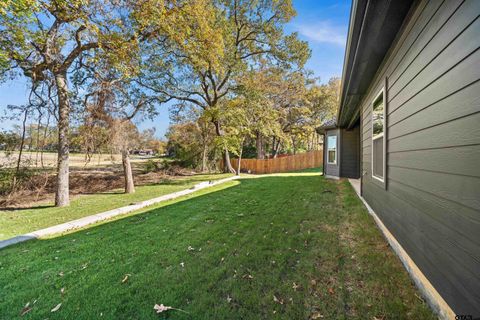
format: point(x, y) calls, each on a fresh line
point(312, 159)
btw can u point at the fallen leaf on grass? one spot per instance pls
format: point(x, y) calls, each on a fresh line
point(62, 291)
point(275, 299)
point(316, 315)
point(331, 291)
point(418, 297)
point(125, 279)
point(163, 308)
point(295, 286)
point(26, 309)
point(56, 308)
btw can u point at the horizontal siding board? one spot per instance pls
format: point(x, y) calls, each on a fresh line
point(434, 25)
point(427, 10)
point(441, 217)
point(456, 52)
point(446, 216)
point(411, 31)
point(431, 252)
point(457, 78)
point(366, 116)
point(367, 122)
point(460, 189)
point(463, 160)
point(350, 158)
point(455, 42)
point(462, 103)
point(459, 132)
point(367, 135)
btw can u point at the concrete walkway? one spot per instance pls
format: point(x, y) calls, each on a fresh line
point(85, 221)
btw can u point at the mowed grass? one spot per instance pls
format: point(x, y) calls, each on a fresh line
point(14, 222)
point(291, 246)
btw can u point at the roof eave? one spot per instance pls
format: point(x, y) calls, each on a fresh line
point(373, 27)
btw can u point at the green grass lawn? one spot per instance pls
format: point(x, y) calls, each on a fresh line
point(292, 246)
point(20, 221)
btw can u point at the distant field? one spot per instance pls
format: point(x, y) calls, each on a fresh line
point(76, 159)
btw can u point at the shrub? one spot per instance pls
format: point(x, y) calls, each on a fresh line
point(22, 177)
point(151, 166)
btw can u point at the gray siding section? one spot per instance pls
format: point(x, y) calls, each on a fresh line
point(432, 201)
point(332, 169)
point(350, 150)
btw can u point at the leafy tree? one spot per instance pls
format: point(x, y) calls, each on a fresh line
point(112, 100)
point(9, 141)
point(226, 38)
point(186, 141)
point(48, 39)
point(124, 136)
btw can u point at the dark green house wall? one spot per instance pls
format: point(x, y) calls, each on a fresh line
point(431, 197)
point(350, 151)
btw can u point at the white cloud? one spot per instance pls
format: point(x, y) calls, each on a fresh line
point(323, 32)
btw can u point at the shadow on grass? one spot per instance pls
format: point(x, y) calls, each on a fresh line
point(46, 206)
point(203, 196)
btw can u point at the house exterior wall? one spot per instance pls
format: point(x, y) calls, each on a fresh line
point(430, 200)
point(350, 150)
point(332, 170)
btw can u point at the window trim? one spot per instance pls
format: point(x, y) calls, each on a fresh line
point(382, 135)
point(336, 148)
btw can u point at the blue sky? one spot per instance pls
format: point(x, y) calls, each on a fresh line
point(322, 23)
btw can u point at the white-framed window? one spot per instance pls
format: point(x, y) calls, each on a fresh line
point(332, 149)
point(378, 136)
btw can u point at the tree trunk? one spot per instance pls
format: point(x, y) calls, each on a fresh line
point(127, 170)
point(62, 194)
point(204, 157)
point(30, 140)
point(259, 145)
point(228, 164)
point(276, 148)
point(44, 139)
point(239, 163)
point(19, 160)
point(273, 146)
point(37, 143)
point(226, 156)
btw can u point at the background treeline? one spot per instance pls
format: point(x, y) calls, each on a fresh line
point(267, 120)
point(85, 140)
point(234, 80)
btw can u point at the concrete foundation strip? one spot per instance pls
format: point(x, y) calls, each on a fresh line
point(431, 295)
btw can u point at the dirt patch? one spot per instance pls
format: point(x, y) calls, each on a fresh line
point(41, 188)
